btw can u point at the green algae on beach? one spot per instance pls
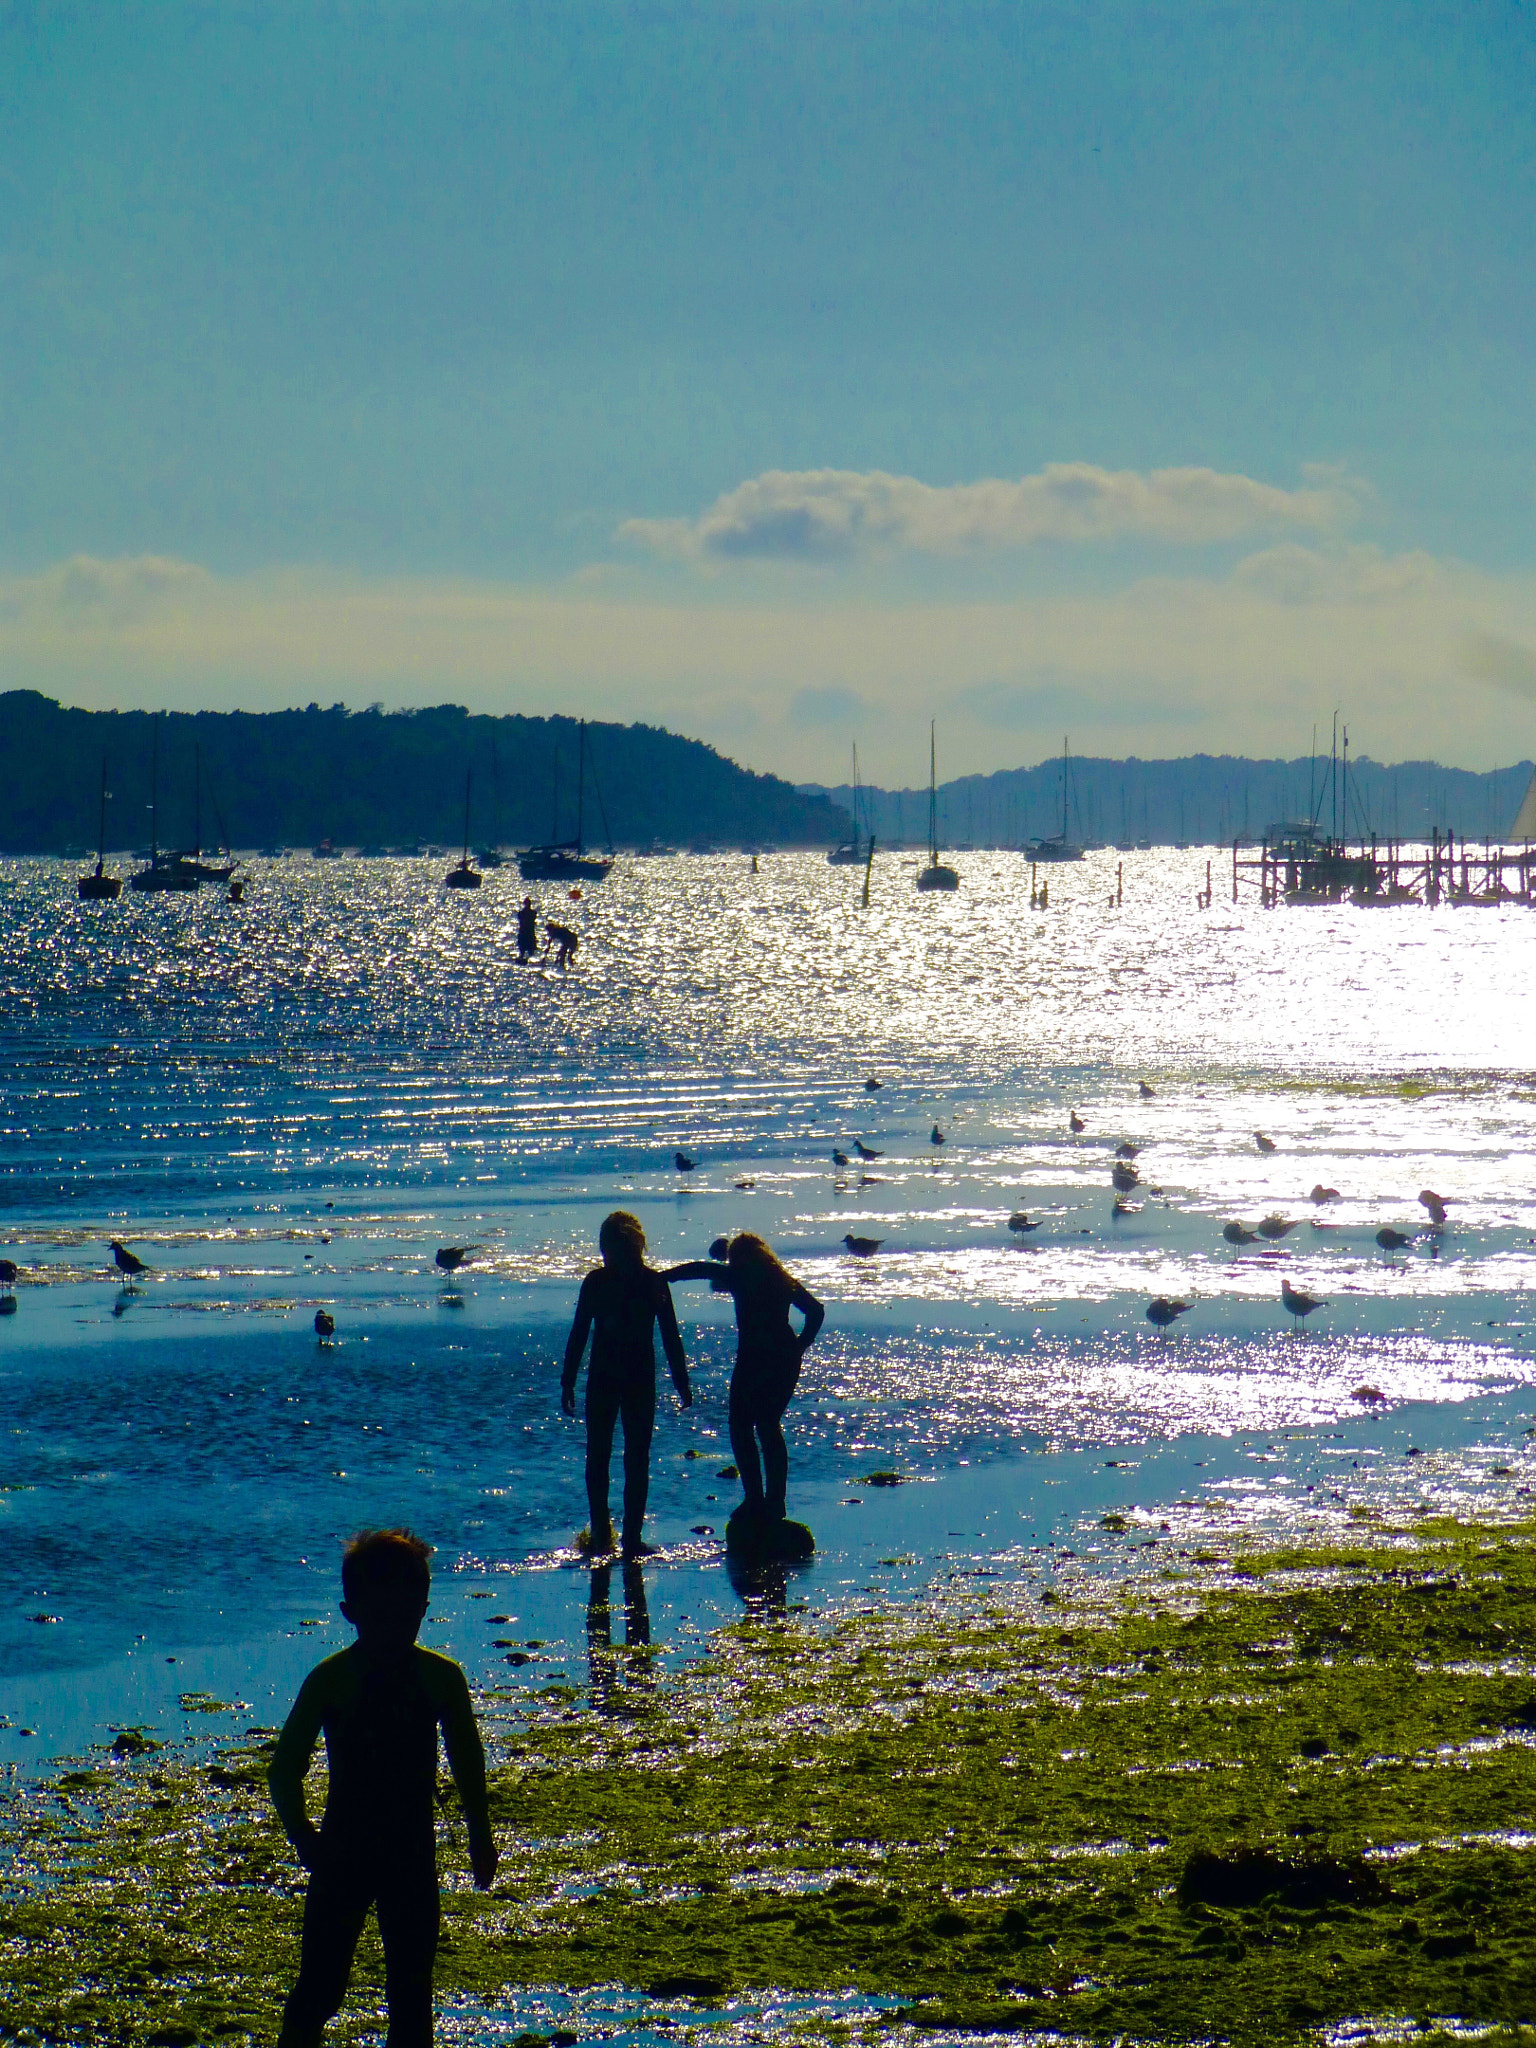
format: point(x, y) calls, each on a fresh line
point(1193, 1803)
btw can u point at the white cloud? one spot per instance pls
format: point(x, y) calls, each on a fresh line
point(829, 515)
point(1240, 662)
point(1297, 575)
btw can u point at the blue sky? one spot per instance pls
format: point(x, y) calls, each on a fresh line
point(650, 360)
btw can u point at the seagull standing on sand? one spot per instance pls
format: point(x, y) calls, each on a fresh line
point(1076, 1125)
point(325, 1325)
point(936, 1136)
point(863, 1247)
point(1124, 1176)
point(1020, 1224)
point(1145, 1091)
point(841, 1159)
point(1264, 1144)
point(1235, 1233)
point(128, 1263)
point(452, 1256)
point(1435, 1204)
point(1322, 1194)
point(1300, 1305)
point(683, 1163)
point(866, 1151)
point(1162, 1312)
point(1392, 1240)
point(1126, 1150)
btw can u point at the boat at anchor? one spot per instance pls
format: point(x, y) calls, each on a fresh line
point(935, 875)
point(567, 860)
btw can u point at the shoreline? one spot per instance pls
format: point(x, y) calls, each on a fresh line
point(983, 1804)
point(1010, 1512)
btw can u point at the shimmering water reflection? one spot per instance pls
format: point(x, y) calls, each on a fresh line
point(293, 1102)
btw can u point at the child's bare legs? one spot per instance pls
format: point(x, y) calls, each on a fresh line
point(334, 1911)
point(755, 1415)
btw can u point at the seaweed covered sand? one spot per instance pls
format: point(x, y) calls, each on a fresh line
point(1246, 1798)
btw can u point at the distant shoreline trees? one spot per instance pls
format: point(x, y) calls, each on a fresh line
point(376, 778)
point(1199, 799)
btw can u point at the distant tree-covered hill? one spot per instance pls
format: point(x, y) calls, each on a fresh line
point(1200, 799)
point(293, 778)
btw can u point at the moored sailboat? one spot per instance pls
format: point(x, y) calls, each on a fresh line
point(935, 875)
point(193, 862)
point(464, 876)
point(1058, 846)
point(166, 873)
point(100, 887)
point(854, 851)
point(566, 860)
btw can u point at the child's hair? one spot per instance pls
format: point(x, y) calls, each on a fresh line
point(622, 1238)
point(752, 1258)
point(385, 1558)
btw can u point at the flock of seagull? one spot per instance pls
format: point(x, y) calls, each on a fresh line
point(448, 1258)
point(1163, 1311)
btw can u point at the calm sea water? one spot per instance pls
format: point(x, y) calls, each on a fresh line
point(294, 1101)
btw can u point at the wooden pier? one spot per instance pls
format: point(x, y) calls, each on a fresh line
point(1298, 864)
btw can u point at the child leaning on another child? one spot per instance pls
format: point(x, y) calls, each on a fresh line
point(379, 1704)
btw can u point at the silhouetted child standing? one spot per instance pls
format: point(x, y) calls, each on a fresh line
point(769, 1351)
point(620, 1303)
point(380, 1704)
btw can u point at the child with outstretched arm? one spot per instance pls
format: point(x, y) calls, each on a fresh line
point(769, 1351)
point(380, 1704)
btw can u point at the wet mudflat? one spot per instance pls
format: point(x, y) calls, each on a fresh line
point(1258, 1795)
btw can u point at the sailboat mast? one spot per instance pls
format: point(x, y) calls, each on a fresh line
point(933, 798)
point(101, 827)
point(1333, 779)
point(581, 777)
point(197, 800)
point(467, 773)
point(154, 790)
point(1064, 791)
point(554, 829)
